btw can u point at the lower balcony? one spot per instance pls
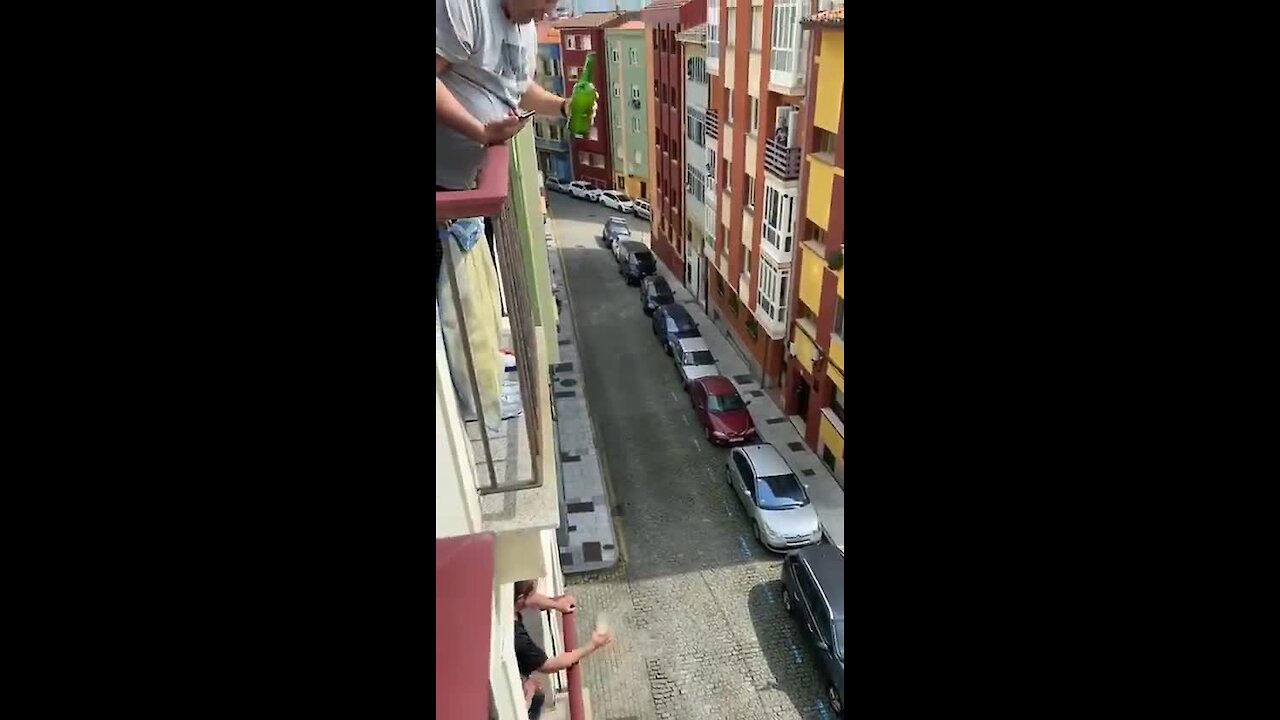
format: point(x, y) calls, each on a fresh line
point(494, 352)
point(782, 161)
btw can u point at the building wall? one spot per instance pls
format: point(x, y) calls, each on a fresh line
point(651, 110)
point(629, 141)
point(601, 176)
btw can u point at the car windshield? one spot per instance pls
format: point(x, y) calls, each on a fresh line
point(725, 403)
point(840, 639)
point(644, 258)
point(661, 287)
point(699, 357)
point(624, 198)
point(687, 332)
point(781, 492)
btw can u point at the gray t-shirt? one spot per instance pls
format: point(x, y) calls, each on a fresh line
point(490, 66)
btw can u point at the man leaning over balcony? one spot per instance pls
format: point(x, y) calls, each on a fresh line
point(530, 658)
point(485, 52)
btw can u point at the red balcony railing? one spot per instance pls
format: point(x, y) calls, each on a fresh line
point(500, 452)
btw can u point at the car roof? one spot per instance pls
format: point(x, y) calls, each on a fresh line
point(717, 385)
point(827, 563)
point(677, 312)
point(765, 460)
point(692, 344)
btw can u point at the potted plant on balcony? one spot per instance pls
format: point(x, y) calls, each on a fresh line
point(835, 259)
point(753, 328)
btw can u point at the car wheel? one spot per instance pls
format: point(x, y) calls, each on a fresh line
point(834, 699)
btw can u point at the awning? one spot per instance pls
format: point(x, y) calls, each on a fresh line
point(464, 605)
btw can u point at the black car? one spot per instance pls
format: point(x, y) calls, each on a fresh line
point(615, 228)
point(637, 262)
point(654, 293)
point(671, 323)
point(813, 592)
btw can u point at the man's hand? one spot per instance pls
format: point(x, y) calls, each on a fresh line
point(566, 604)
point(500, 131)
point(531, 687)
point(600, 639)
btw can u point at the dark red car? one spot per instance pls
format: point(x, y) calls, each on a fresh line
point(720, 409)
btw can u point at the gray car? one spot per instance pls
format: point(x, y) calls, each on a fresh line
point(776, 502)
point(693, 360)
point(615, 229)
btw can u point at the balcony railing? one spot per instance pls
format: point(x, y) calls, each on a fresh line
point(782, 161)
point(508, 458)
point(713, 124)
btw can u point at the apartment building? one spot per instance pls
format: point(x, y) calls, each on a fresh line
point(814, 388)
point(551, 136)
point(664, 19)
point(578, 7)
point(591, 156)
point(497, 491)
point(629, 100)
point(755, 53)
point(699, 152)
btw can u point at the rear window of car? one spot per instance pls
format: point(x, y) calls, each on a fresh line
point(661, 287)
point(699, 357)
point(644, 258)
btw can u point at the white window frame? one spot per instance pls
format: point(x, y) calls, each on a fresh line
point(753, 122)
point(750, 198)
point(571, 42)
point(757, 27)
point(731, 34)
point(838, 328)
point(635, 92)
point(633, 56)
point(771, 291)
point(635, 124)
point(617, 90)
point(594, 134)
point(586, 41)
point(613, 53)
point(779, 218)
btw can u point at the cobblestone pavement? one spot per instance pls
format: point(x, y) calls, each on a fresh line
point(695, 601)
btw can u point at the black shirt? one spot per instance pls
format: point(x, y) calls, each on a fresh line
point(529, 656)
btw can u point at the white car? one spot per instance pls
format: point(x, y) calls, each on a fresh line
point(555, 183)
point(643, 210)
point(617, 201)
point(585, 191)
point(693, 360)
point(774, 498)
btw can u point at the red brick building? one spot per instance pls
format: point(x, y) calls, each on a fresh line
point(663, 19)
point(591, 155)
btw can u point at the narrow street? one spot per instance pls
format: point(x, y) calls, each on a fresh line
point(694, 601)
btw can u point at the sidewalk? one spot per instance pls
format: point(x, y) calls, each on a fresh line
point(773, 426)
point(585, 536)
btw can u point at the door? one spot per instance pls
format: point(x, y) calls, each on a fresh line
point(699, 395)
point(744, 483)
point(802, 399)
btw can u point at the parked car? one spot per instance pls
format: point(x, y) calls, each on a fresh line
point(813, 592)
point(721, 410)
point(654, 293)
point(776, 502)
point(617, 201)
point(693, 360)
point(584, 191)
point(671, 323)
point(614, 228)
point(555, 183)
point(637, 262)
point(643, 210)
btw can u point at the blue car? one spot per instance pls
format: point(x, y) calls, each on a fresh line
point(671, 323)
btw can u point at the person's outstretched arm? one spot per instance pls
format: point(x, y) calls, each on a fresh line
point(566, 660)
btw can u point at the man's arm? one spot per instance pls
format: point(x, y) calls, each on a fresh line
point(450, 112)
point(564, 603)
point(566, 660)
point(542, 100)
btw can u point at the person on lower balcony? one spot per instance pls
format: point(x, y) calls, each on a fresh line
point(531, 658)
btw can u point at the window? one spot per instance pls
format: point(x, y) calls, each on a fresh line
point(733, 27)
point(635, 126)
point(713, 30)
point(585, 41)
point(639, 159)
point(618, 182)
point(838, 328)
point(750, 197)
point(728, 119)
point(757, 27)
point(711, 166)
point(694, 182)
point(573, 72)
point(617, 90)
point(595, 133)
point(696, 127)
point(597, 160)
point(633, 57)
point(773, 290)
point(778, 218)
point(614, 54)
point(754, 121)
point(837, 404)
point(824, 143)
point(635, 92)
point(571, 42)
point(786, 35)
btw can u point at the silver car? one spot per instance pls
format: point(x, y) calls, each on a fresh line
point(693, 360)
point(779, 508)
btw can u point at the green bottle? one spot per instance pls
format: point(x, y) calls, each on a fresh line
point(584, 96)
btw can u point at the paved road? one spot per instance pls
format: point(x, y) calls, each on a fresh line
point(695, 601)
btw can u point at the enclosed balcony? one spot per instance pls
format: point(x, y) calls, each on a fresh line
point(713, 124)
point(494, 352)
